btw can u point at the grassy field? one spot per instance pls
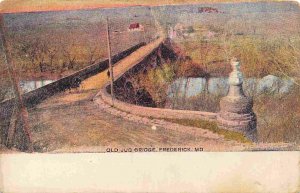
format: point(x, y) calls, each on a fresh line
point(37, 5)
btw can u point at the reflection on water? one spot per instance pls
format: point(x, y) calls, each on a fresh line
point(204, 94)
point(29, 85)
point(189, 87)
point(26, 86)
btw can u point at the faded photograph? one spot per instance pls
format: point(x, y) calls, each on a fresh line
point(156, 78)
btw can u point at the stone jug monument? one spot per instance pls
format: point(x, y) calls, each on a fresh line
point(236, 112)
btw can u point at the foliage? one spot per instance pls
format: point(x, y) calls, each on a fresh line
point(259, 56)
point(156, 82)
point(188, 68)
point(263, 57)
point(282, 123)
point(55, 50)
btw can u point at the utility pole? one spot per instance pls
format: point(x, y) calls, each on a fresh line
point(144, 34)
point(23, 113)
point(111, 73)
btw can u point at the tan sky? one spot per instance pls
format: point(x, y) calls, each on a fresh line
point(42, 5)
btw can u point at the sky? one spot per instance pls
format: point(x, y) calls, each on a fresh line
point(10, 6)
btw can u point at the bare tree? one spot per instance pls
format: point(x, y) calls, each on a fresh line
point(92, 53)
point(51, 53)
point(69, 55)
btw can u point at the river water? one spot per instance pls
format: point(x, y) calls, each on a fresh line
point(190, 87)
point(29, 85)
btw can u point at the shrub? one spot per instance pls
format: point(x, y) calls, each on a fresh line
point(259, 56)
point(156, 82)
point(279, 118)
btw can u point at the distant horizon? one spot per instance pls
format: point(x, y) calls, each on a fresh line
point(24, 6)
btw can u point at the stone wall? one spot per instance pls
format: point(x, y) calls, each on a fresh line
point(156, 112)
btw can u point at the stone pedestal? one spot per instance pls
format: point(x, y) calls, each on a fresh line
point(236, 112)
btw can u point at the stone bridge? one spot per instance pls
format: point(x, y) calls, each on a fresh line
point(84, 119)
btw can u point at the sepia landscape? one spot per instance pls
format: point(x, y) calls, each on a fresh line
point(215, 76)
